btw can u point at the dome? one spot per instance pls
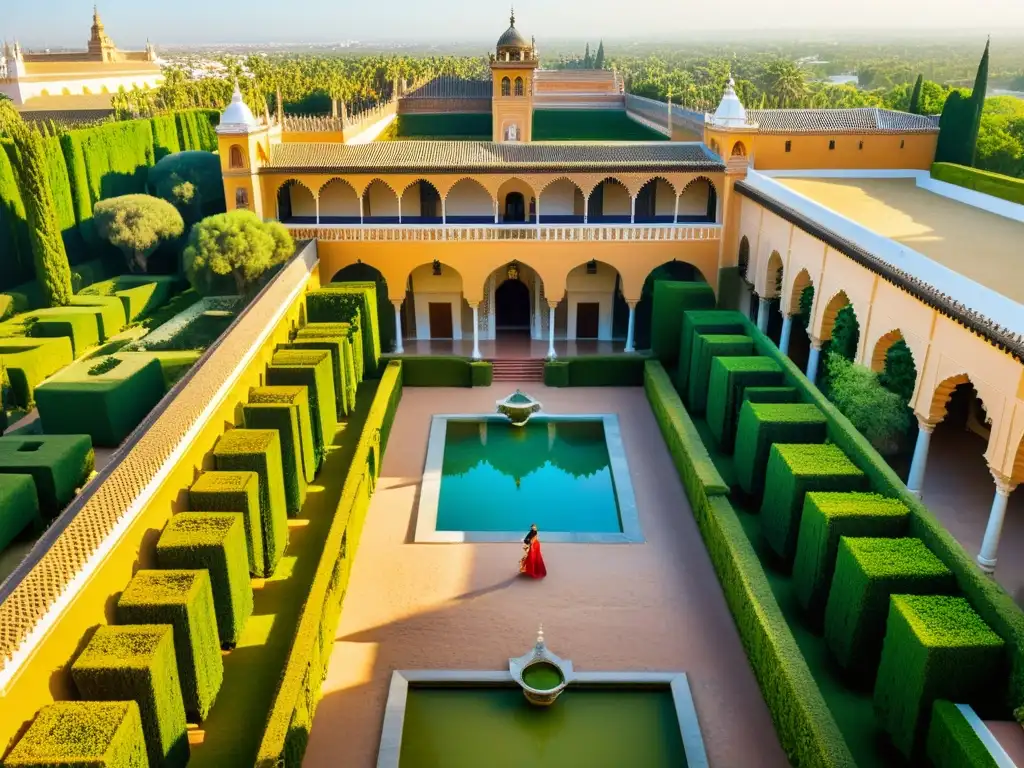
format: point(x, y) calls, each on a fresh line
point(730, 111)
point(237, 118)
point(512, 38)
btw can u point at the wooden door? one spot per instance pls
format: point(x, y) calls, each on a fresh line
point(587, 319)
point(441, 320)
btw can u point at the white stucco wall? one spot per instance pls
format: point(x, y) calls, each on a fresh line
point(467, 198)
point(617, 201)
point(338, 199)
point(381, 200)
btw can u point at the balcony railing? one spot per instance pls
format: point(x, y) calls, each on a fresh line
point(504, 232)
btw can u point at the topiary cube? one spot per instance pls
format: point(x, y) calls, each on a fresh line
point(481, 373)
point(80, 324)
point(728, 379)
point(350, 302)
point(59, 465)
point(109, 313)
point(935, 647)
point(793, 471)
point(953, 742)
point(234, 492)
point(183, 599)
point(259, 451)
point(350, 332)
point(29, 361)
point(867, 572)
point(137, 663)
point(299, 398)
point(670, 300)
point(285, 419)
point(761, 425)
point(19, 507)
point(105, 398)
point(214, 542)
point(336, 346)
point(311, 369)
point(706, 347)
point(703, 321)
point(825, 517)
point(82, 734)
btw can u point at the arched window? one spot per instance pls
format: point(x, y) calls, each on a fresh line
point(236, 160)
point(506, 87)
point(519, 86)
point(241, 199)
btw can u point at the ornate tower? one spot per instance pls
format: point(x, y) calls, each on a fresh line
point(244, 144)
point(100, 45)
point(512, 70)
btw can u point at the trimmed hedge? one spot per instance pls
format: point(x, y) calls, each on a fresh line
point(935, 648)
point(59, 465)
point(728, 379)
point(137, 663)
point(139, 294)
point(234, 492)
point(769, 395)
point(214, 542)
point(184, 600)
point(104, 403)
point(671, 300)
point(311, 369)
point(284, 418)
point(434, 370)
point(706, 347)
point(82, 734)
point(343, 374)
point(346, 303)
point(826, 516)
point(761, 425)
point(29, 361)
point(80, 324)
point(348, 331)
point(952, 742)
point(703, 321)
point(259, 451)
point(606, 371)
point(19, 507)
point(804, 724)
point(173, 365)
point(481, 374)
point(556, 373)
point(1007, 188)
point(298, 398)
point(867, 573)
point(110, 313)
point(793, 470)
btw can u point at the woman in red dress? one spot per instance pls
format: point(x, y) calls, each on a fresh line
point(532, 563)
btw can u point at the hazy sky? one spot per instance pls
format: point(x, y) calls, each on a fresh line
point(129, 22)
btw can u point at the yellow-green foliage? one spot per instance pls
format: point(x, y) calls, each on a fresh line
point(15, 248)
point(935, 648)
point(59, 465)
point(83, 734)
point(986, 182)
point(556, 373)
point(183, 599)
point(80, 324)
point(285, 419)
point(139, 294)
point(350, 302)
point(110, 313)
point(348, 330)
point(19, 506)
point(728, 379)
point(259, 451)
point(761, 425)
point(705, 348)
point(671, 301)
point(29, 361)
point(298, 397)
point(215, 542)
point(343, 376)
point(310, 368)
point(137, 663)
point(952, 742)
point(234, 492)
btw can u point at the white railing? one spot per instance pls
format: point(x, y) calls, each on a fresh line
point(470, 233)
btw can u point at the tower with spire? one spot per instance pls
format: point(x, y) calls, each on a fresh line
point(100, 45)
point(244, 143)
point(513, 65)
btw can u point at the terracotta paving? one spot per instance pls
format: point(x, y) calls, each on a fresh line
point(513, 346)
point(655, 606)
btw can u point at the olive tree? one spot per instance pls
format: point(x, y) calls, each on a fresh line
point(238, 244)
point(137, 225)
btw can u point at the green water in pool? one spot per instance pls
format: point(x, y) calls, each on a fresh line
point(542, 676)
point(497, 728)
point(498, 477)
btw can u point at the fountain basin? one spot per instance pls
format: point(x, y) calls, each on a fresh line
point(543, 676)
point(518, 408)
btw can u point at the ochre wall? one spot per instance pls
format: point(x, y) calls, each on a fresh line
point(878, 151)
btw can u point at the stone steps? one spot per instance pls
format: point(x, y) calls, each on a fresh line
point(518, 370)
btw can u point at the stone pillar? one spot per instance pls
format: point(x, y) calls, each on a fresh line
point(632, 210)
point(317, 202)
point(812, 359)
point(586, 208)
point(495, 211)
point(538, 212)
point(675, 215)
point(915, 480)
point(444, 212)
point(631, 327)
point(763, 308)
point(399, 348)
point(476, 331)
point(994, 529)
point(551, 330)
point(399, 210)
point(360, 210)
point(787, 330)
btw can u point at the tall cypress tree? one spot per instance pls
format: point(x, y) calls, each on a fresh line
point(587, 61)
point(977, 104)
point(954, 130)
point(599, 59)
point(915, 96)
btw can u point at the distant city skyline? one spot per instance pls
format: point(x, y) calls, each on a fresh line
point(65, 23)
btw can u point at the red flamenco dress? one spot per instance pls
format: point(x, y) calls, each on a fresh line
point(532, 563)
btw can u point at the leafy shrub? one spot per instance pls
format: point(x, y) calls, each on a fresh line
point(19, 507)
point(234, 492)
point(986, 182)
point(867, 573)
point(899, 374)
point(345, 302)
point(105, 401)
point(702, 321)
point(238, 244)
point(77, 734)
point(137, 663)
point(214, 542)
point(481, 374)
point(284, 418)
point(136, 225)
point(190, 181)
point(312, 369)
point(705, 348)
point(952, 742)
point(729, 377)
point(845, 334)
point(109, 313)
point(29, 361)
point(792, 471)
point(763, 424)
point(259, 451)
point(556, 373)
point(877, 413)
point(827, 516)
point(184, 600)
point(297, 398)
point(342, 373)
point(59, 465)
point(934, 648)
point(671, 299)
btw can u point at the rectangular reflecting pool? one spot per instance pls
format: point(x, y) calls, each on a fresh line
point(487, 480)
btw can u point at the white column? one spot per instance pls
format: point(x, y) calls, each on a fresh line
point(631, 327)
point(495, 211)
point(444, 212)
point(632, 210)
point(476, 331)
point(317, 201)
point(538, 211)
point(812, 359)
point(399, 348)
point(399, 210)
point(586, 208)
point(360, 210)
point(675, 216)
point(994, 529)
point(551, 331)
point(787, 330)
point(763, 308)
point(915, 480)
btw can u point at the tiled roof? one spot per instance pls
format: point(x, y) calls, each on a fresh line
point(857, 120)
point(476, 156)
